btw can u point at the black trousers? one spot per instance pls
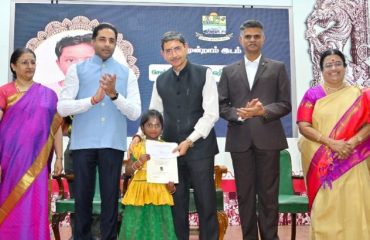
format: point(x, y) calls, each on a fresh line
point(257, 177)
point(109, 164)
point(197, 173)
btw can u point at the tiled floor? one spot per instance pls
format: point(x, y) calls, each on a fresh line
point(232, 233)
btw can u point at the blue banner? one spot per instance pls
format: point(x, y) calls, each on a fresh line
point(211, 32)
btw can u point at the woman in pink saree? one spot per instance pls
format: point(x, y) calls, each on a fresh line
point(29, 131)
point(334, 119)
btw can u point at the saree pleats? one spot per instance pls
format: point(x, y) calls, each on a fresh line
point(26, 142)
point(341, 205)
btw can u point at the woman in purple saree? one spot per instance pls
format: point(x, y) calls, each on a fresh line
point(29, 131)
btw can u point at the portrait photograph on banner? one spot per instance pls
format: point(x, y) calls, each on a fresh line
point(70, 41)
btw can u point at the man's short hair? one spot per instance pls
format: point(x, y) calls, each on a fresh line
point(252, 23)
point(170, 36)
point(71, 41)
point(102, 26)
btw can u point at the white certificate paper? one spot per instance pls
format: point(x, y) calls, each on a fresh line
point(162, 166)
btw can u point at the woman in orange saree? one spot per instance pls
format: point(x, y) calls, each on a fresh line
point(334, 120)
point(29, 130)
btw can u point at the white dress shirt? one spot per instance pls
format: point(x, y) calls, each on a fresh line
point(251, 69)
point(210, 106)
point(68, 105)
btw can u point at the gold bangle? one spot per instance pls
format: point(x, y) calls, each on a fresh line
point(319, 138)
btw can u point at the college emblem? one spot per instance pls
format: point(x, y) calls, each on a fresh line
point(214, 26)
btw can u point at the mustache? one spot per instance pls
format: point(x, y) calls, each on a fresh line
point(174, 58)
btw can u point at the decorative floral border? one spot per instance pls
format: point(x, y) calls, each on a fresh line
point(83, 23)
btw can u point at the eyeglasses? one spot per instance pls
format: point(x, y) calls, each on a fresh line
point(335, 64)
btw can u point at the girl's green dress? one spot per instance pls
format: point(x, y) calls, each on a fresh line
point(147, 213)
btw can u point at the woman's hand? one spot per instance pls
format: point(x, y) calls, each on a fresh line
point(0, 173)
point(352, 143)
point(58, 167)
point(171, 188)
point(341, 148)
point(1, 114)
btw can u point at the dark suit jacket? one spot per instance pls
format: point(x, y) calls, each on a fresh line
point(272, 87)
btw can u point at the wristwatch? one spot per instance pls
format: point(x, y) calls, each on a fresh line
point(114, 97)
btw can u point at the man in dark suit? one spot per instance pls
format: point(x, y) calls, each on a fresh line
point(254, 94)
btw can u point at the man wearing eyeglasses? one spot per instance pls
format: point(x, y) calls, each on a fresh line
point(254, 94)
point(186, 94)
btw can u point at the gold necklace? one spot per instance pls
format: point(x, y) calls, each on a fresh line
point(329, 90)
point(19, 90)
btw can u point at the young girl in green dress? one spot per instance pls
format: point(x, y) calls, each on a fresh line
point(147, 213)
